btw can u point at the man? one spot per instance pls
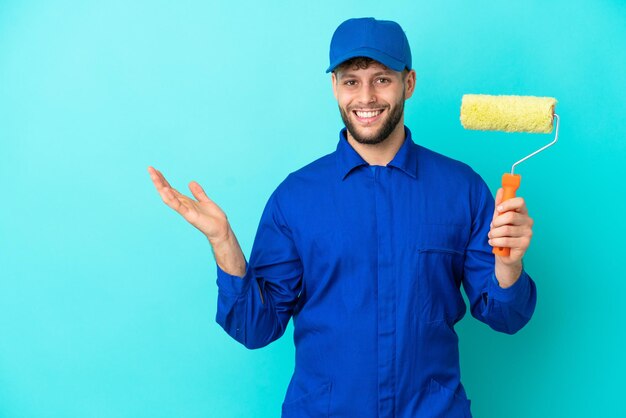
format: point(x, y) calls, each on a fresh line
point(366, 249)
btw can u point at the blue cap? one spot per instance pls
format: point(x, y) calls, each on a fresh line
point(380, 40)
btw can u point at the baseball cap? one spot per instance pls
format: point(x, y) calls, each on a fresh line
point(381, 40)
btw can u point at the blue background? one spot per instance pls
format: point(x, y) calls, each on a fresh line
point(108, 297)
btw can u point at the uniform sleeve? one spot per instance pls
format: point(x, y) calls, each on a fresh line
point(505, 310)
point(255, 309)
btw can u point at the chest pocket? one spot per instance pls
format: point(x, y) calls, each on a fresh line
point(440, 259)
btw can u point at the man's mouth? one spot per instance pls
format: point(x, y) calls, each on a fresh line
point(368, 116)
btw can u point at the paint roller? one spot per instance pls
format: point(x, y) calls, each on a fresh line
point(510, 114)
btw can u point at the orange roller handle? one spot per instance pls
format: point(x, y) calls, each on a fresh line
point(510, 184)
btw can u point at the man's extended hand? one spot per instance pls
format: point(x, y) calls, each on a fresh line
point(209, 218)
point(204, 214)
point(511, 227)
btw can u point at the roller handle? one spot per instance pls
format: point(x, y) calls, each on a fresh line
point(510, 184)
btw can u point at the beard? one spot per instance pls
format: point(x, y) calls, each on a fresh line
point(389, 124)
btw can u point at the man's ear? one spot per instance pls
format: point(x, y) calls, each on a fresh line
point(409, 84)
point(333, 79)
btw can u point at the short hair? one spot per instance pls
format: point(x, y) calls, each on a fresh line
point(362, 63)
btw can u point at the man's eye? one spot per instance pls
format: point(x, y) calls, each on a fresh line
point(384, 80)
point(350, 82)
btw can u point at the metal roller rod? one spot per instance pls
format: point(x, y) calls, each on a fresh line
point(556, 137)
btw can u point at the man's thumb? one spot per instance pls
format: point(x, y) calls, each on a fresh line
point(499, 195)
point(198, 192)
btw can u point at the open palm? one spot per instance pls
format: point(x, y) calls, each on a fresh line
point(202, 213)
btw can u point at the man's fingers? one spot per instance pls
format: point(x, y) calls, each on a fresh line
point(174, 200)
point(499, 195)
point(159, 181)
point(157, 178)
point(169, 197)
point(163, 178)
point(511, 231)
point(511, 218)
point(154, 176)
point(511, 227)
point(510, 242)
point(516, 204)
point(198, 192)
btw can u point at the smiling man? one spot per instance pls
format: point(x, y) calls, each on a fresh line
point(371, 121)
point(366, 249)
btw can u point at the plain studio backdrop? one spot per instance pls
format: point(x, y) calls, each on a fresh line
point(108, 297)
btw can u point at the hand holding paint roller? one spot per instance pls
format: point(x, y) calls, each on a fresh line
point(510, 114)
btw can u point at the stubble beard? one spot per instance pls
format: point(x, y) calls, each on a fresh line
point(383, 133)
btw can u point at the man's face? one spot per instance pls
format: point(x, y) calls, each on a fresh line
point(371, 100)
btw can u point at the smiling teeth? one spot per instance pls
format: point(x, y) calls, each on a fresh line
point(368, 114)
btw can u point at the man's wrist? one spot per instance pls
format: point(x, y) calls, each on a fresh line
point(228, 254)
point(508, 274)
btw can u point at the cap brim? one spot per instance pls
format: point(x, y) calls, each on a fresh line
point(374, 54)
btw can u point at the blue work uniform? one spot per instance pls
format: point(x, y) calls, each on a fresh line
point(368, 261)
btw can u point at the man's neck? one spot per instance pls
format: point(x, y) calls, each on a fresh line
point(383, 152)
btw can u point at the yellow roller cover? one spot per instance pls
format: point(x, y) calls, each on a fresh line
point(507, 113)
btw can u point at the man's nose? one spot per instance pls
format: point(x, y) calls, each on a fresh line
point(367, 93)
